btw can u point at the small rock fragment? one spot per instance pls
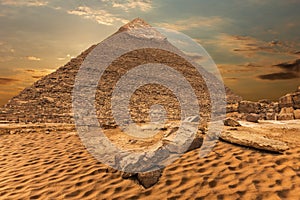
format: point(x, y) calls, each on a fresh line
point(197, 142)
point(252, 117)
point(231, 122)
point(148, 179)
point(127, 175)
point(297, 114)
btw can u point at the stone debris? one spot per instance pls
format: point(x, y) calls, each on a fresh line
point(249, 107)
point(148, 179)
point(297, 114)
point(286, 113)
point(197, 143)
point(257, 141)
point(145, 179)
point(286, 101)
point(287, 108)
point(252, 117)
point(231, 122)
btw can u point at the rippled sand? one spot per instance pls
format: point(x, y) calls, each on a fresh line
point(57, 166)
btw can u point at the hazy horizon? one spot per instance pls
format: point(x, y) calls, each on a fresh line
point(246, 39)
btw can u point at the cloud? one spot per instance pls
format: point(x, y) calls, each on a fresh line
point(279, 76)
point(238, 68)
point(100, 16)
point(291, 70)
point(247, 46)
point(257, 2)
point(29, 3)
point(293, 66)
point(30, 70)
point(243, 45)
point(34, 73)
point(33, 58)
point(37, 77)
point(143, 5)
point(264, 2)
point(6, 81)
point(195, 22)
point(64, 58)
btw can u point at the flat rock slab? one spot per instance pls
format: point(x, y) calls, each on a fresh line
point(143, 131)
point(253, 140)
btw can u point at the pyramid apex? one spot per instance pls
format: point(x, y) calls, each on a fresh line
point(135, 23)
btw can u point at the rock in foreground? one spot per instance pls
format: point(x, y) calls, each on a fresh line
point(148, 179)
point(253, 140)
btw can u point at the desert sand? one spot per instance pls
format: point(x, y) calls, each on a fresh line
point(56, 165)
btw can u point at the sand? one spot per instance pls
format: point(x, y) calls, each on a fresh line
point(57, 166)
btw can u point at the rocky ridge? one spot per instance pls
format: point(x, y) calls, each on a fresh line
point(287, 108)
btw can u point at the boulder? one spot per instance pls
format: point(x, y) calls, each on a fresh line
point(286, 114)
point(270, 116)
point(249, 107)
point(296, 100)
point(275, 106)
point(127, 175)
point(262, 115)
point(265, 101)
point(297, 114)
point(197, 142)
point(231, 122)
point(231, 108)
point(148, 179)
point(252, 117)
point(286, 101)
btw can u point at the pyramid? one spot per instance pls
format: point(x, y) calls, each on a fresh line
point(49, 100)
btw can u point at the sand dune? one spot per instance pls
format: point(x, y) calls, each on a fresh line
point(57, 166)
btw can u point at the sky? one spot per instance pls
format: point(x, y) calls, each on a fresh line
point(248, 40)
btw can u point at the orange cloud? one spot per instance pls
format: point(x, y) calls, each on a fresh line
point(6, 81)
point(279, 76)
point(143, 5)
point(100, 16)
point(33, 58)
point(293, 66)
point(29, 3)
point(247, 46)
point(195, 22)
